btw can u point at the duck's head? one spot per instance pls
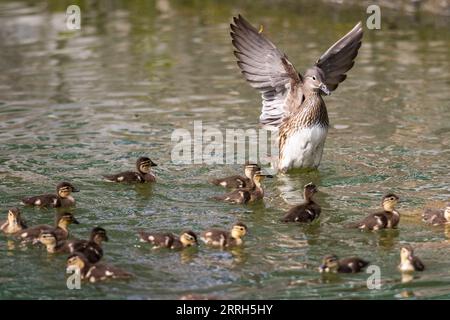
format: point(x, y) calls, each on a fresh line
point(14, 217)
point(258, 177)
point(98, 235)
point(64, 219)
point(250, 169)
point(390, 201)
point(144, 164)
point(309, 190)
point(330, 263)
point(406, 252)
point(239, 230)
point(314, 81)
point(47, 238)
point(76, 261)
point(188, 238)
point(447, 212)
point(64, 189)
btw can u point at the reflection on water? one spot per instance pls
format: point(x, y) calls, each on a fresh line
point(77, 105)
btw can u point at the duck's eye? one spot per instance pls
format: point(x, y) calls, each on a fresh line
point(392, 198)
point(314, 78)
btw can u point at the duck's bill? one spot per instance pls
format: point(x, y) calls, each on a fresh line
point(75, 221)
point(324, 89)
point(75, 189)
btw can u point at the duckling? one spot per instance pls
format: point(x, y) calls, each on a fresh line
point(246, 195)
point(92, 248)
point(168, 240)
point(308, 210)
point(143, 174)
point(222, 238)
point(14, 223)
point(49, 239)
point(237, 181)
point(389, 218)
point(94, 272)
point(62, 198)
point(408, 261)
point(62, 222)
point(332, 264)
point(437, 217)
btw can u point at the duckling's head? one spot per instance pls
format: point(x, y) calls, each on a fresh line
point(98, 235)
point(188, 238)
point(314, 81)
point(447, 212)
point(64, 219)
point(239, 230)
point(309, 190)
point(250, 169)
point(47, 238)
point(143, 164)
point(258, 177)
point(14, 216)
point(64, 189)
point(330, 263)
point(76, 261)
point(406, 252)
point(390, 201)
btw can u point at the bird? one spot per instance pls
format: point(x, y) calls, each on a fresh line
point(307, 211)
point(14, 222)
point(94, 272)
point(408, 261)
point(332, 264)
point(246, 195)
point(292, 103)
point(224, 239)
point(62, 198)
point(142, 175)
point(437, 217)
point(169, 240)
point(237, 181)
point(62, 222)
point(388, 218)
point(92, 248)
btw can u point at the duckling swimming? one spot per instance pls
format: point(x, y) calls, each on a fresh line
point(332, 264)
point(292, 102)
point(168, 240)
point(14, 223)
point(389, 218)
point(408, 261)
point(246, 195)
point(437, 217)
point(308, 210)
point(224, 239)
point(94, 272)
point(237, 181)
point(142, 175)
point(62, 222)
point(62, 198)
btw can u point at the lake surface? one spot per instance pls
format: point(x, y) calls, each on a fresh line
point(78, 104)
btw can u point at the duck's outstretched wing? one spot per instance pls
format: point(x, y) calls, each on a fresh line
point(267, 69)
point(339, 58)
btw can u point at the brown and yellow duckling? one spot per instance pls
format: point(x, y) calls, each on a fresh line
point(238, 181)
point(169, 240)
point(62, 198)
point(62, 222)
point(14, 222)
point(246, 195)
point(307, 211)
point(332, 264)
point(437, 217)
point(91, 249)
point(223, 239)
point(408, 261)
point(388, 218)
point(142, 175)
point(94, 272)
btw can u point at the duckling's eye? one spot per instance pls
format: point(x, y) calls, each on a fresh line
point(392, 198)
point(314, 78)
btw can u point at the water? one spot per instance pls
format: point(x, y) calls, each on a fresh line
point(74, 106)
